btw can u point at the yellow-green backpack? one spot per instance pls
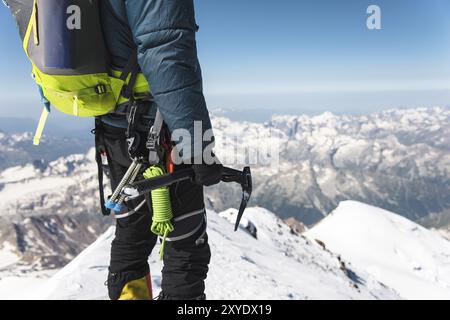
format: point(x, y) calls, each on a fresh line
point(64, 42)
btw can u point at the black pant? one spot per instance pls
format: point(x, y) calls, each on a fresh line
point(186, 258)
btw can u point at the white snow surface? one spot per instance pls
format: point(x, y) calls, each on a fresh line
point(278, 265)
point(408, 258)
point(7, 255)
point(24, 286)
point(370, 254)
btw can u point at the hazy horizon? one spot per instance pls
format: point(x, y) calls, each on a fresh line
point(69, 126)
point(294, 57)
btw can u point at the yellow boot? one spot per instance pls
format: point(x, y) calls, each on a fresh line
point(140, 289)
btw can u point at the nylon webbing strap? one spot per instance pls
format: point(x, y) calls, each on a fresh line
point(131, 68)
point(40, 127)
point(99, 148)
point(153, 136)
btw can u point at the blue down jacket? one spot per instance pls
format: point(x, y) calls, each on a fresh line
point(164, 32)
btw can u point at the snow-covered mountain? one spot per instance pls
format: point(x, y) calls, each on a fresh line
point(277, 264)
point(50, 213)
point(398, 160)
point(17, 148)
point(412, 260)
point(358, 252)
point(67, 184)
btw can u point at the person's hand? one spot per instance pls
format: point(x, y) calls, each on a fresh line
point(207, 175)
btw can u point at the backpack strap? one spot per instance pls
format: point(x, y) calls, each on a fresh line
point(40, 127)
point(131, 68)
point(101, 157)
point(43, 118)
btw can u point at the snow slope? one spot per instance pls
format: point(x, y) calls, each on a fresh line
point(23, 286)
point(410, 259)
point(279, 264)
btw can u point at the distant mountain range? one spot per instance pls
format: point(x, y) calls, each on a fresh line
point(18, 149)
point(16, 139)
point(50, 211)
point(396, 159)
point(57, 124)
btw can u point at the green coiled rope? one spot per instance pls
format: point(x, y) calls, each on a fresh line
point(162, 208)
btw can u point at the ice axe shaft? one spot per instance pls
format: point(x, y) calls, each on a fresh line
point(137, 189)
point(244, 178)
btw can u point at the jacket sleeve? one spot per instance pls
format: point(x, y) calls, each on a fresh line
point(164, 32)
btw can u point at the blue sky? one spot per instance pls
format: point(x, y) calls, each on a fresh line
point(294, 56)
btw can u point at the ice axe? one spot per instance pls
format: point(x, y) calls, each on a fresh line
point(244, 178)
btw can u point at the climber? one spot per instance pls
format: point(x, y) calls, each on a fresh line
point(133, 66)
point(163, 33)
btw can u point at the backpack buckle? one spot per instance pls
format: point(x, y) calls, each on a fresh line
point(151, 140)
point(101, 89)
point(152, 146)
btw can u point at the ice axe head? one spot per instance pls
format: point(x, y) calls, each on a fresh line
point(244, 178)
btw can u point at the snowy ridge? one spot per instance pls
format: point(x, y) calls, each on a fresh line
point(17, 148)
point(280, 264)
point(398, 252)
